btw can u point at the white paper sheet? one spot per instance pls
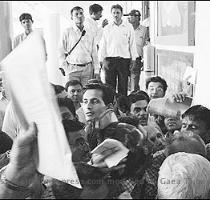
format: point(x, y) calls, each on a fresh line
point(27, 76)
point(114, 158)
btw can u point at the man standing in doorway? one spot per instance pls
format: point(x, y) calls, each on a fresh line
point(118, 51)
point(26, 21)
point(78, 54)
point(141, 38)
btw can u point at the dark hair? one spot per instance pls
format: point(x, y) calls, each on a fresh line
point(187, 144)
point(117, 6)
point(123, 103)
point(5, 142)
point(57, 88)
point(138, 96)
point(132, 120)
point(108, 93)
point(130, 137)
point(72, 125)
point(157, 79)
point(25, 16)
point(76, 8)
point(67, 102)
point(72, 83)
point(95, 8)
point(198, 113)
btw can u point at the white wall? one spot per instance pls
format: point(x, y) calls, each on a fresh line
point(202, 53)
point(5, 29)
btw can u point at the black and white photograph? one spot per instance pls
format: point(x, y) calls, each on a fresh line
point(104, 100)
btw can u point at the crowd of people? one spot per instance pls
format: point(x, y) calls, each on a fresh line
point(168, 157)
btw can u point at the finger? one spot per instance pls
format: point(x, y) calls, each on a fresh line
point(142, 130)
point(117, 167)
point(109, 152)
point(176, 133)
point(179, 98)
point(107, 170)
point(97, 158)
point(28, 136)
point(183, 97)
point(103, 155)
point(100, 165)
point(123, 160)
point(174, 98)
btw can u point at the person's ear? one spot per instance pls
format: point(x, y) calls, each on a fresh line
point(71, 17)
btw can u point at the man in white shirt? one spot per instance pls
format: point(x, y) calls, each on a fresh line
point(26, 21)
point(95, 12)
point(141, 37)
point(78, 54)
point(118, 51)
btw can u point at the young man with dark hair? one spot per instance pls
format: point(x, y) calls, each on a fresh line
point(156, 87)
point(96, 99)
point(98, 109)
point(79, 62)
point(26, 21)
point(118, 51)
point(138, 106)
point(197, 120)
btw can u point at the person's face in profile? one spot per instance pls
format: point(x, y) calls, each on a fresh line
point(133, 19)
point(97, 16)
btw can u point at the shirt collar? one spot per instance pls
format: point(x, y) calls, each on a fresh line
point(76, 28)
point(92, 20)
point(122, 24)
point(26, 35)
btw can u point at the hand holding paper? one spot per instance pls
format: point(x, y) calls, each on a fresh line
point(34, 101)
point(110, 151)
